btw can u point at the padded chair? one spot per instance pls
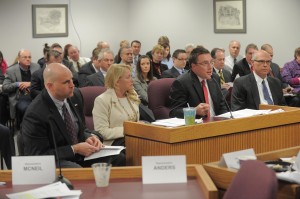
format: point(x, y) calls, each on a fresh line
point(158, 97)
point(89, 94)
point(253, 180)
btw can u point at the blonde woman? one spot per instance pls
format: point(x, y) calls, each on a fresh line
point(117, 104)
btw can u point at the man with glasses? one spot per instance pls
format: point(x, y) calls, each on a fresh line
point(243, 67)
point(257, 88)
point(17, 82)
point(179, 62)
point(105, 59)
point(199, 88)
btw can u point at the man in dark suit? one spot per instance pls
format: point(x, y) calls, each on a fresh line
point(179, 61)
point(257, 88)
point(89, 68)
point(6, 145)
point(243, 67)
point(197, 88)
point(105, 59)
point(136, 49)
point(52, 111)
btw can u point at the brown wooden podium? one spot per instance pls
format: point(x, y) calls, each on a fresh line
point(126, 182)
point(222, 176)
point(203, 143)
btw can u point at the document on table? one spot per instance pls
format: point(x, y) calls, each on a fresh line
point(106, 151)
point(173, 122)
point(248, 113)
point(293, 177)
point(54, 190)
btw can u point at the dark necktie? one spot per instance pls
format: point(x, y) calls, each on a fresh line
point(205, 91)
point(69, 124)
point(234, 60)
point(266, 93)
point(78, 66)
point(222, 80)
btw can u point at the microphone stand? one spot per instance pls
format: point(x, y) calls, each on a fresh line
point(60, 177)
point(223, 97)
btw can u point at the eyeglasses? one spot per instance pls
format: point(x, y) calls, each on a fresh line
point(268, 62)
point(26, 57)
point(205, 63)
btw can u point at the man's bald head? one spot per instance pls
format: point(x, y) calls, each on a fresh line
point(52, 71)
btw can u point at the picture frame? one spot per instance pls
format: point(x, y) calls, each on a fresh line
point(50, 20)
point(229, 16)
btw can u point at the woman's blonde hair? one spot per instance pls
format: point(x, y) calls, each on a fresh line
point(114, 73)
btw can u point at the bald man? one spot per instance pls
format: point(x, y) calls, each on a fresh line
point(52, 109)
point(257, 88)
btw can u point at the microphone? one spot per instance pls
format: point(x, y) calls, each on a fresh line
point(223, 97)
point(178, 105)
point(60, 177)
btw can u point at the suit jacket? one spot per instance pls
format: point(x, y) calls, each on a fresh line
point(96, 79)
point(36, 129)
point(226, 74)
point(109, 116)
point(170, 73)
point(276, 72)
point(187, 89)
point(13, 75)
point(245, 93)
point(142, 89)
point(242, 68)
point(86, 70)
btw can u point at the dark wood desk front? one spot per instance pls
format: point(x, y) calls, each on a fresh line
point(203, 143)
point(222, 176)
point(126, 182)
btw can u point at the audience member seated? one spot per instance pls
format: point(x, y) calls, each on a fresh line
point(179, 60)
point(136, 49)
point(234, 55)
point(3, 66)
point(196, 88)
point(161, 40)
point(257, 87)
point(291, 72)
point(117, 104)
point(66, 49)
point(42, 61)
point(75, 59)
point(89, 68)
point(105, 59)
point(225, 76)
point(53, 112)
point(143, 78)
point(167, 56)
point(3, 97)
point(103, 44)
point(17, 82)
point(188, 49)
point(157, 56)
point(126, 54)
point(123, 44)
point(6, 145)
point(243, 67)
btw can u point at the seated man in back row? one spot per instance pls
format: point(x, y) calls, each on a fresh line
point(257, 88)
point(53, 111)
point(199, 87)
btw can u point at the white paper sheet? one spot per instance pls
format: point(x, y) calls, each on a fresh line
point(245, 113)
point(173, 122)
point(106, 151)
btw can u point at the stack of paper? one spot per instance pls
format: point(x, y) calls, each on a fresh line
point(248, 113)
point(54, 190)
point(106, 151)
point(293, 177)
point(173, 122)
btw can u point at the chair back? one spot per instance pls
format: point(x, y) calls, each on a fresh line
point(253, 180)
point(89, 94)
point(158, 97)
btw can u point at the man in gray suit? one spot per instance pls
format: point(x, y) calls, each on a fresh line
point(105, 59)
point(17, 82)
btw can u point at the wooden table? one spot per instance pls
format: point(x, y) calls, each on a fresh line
point(126, 182)
point(222, 176)
point(203, 143)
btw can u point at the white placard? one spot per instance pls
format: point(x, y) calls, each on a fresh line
point(164, 169)
point(33, 169)
point(232, 160)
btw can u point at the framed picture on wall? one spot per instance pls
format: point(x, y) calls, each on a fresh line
point(229, 16)
point(50, 20)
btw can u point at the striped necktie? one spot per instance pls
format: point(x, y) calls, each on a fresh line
point(69, 124)
point(266, 93)
point(222, 80)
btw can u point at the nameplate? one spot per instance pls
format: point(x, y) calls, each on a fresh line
point(164, 169)
point(33, 170)
point(233, 159)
